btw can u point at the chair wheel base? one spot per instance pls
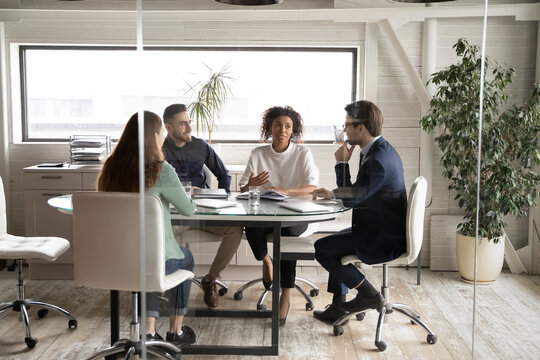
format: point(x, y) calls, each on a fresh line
point(30, 342)
point(309, 306)
point(381, 345)
point(42, 313)
point(360, 316)
point(223, 292)
point(261, 307)
point(338, 330)
point(314, 292)
point(238, 296)
point(72, 324)
point(431, 339)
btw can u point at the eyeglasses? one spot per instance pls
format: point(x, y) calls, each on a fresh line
point(346, 125)
point(183, 124)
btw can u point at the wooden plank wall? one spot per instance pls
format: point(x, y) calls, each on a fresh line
point(509, 41)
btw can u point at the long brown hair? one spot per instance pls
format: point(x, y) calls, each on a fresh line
point(121, 169)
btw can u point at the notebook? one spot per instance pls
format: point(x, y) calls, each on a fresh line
point(214, 203)
point(304, 206)
point(210, 194)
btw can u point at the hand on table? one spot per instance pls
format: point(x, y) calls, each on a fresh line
point(280, 190)
point(323, 193)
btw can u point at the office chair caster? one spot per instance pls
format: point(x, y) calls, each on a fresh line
point(314, 292)
point(431, 339)
point(309, 306)
point(261, 307)
point(360, 316)
point(338, 330)
point(381, 345)
point(72, 324)
point(42, 313)
point(238, 295)
point(222, 291)
point(30, 342)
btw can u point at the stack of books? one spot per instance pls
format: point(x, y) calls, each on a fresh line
point(88, 149)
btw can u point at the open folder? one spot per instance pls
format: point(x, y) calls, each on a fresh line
point(304, 206)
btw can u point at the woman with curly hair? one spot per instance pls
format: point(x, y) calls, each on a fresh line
point(288, 168)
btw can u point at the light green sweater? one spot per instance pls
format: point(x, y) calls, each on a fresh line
point(170, 191)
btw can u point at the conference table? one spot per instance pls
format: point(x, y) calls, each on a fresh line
point(268, 213)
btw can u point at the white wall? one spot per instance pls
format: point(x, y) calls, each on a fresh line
point(509, 41)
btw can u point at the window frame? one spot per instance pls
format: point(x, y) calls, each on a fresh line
point(354, 50)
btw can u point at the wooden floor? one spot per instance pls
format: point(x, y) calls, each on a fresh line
point(507, 322)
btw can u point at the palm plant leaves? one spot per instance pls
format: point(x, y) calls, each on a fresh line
point(210, 99)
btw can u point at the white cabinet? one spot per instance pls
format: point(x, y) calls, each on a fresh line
point(41, 184)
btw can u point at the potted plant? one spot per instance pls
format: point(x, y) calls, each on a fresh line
point(210, 96)
point(510, 150)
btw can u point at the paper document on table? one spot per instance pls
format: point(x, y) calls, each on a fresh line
point(304, 206)
point(214, 204)
point(265, 194)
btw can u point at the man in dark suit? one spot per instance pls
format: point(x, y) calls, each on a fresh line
point(379, 202)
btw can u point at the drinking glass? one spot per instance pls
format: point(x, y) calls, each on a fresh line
point(254, 195)
point(187, 187)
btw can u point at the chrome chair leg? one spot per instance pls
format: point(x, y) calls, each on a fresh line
point(5, 306)
point(52, 307)
point(309, 303)
point(115, 349)
point(130, 353)
point(415, 318)
point(26, 321)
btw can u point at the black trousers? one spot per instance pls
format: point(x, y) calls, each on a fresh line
point(257, 241)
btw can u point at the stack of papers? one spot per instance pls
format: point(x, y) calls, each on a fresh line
point(210, 194)
point(265, 194)
point(213, 203)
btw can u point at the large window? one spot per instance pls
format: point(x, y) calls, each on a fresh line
point(88, 90)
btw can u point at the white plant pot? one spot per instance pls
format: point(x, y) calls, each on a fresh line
point(490, 259)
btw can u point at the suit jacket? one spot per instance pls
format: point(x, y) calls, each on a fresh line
point(379, 202)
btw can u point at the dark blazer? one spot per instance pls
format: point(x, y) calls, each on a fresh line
point(379, 202)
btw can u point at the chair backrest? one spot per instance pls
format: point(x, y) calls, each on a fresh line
point(415, 218)
point(3, 214)
point(106, 236)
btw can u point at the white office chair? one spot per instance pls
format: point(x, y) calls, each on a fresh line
point(19, 248)
point(415, 231)
point(107, 256)
point(292, 248)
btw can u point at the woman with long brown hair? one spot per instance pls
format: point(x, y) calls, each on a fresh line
point(121, 173)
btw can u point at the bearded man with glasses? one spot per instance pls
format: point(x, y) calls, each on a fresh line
point(188, 155)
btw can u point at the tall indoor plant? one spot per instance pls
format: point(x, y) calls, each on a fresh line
point(210, 97)
point(510, 148)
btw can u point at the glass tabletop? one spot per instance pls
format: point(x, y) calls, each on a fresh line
point(242, 208)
